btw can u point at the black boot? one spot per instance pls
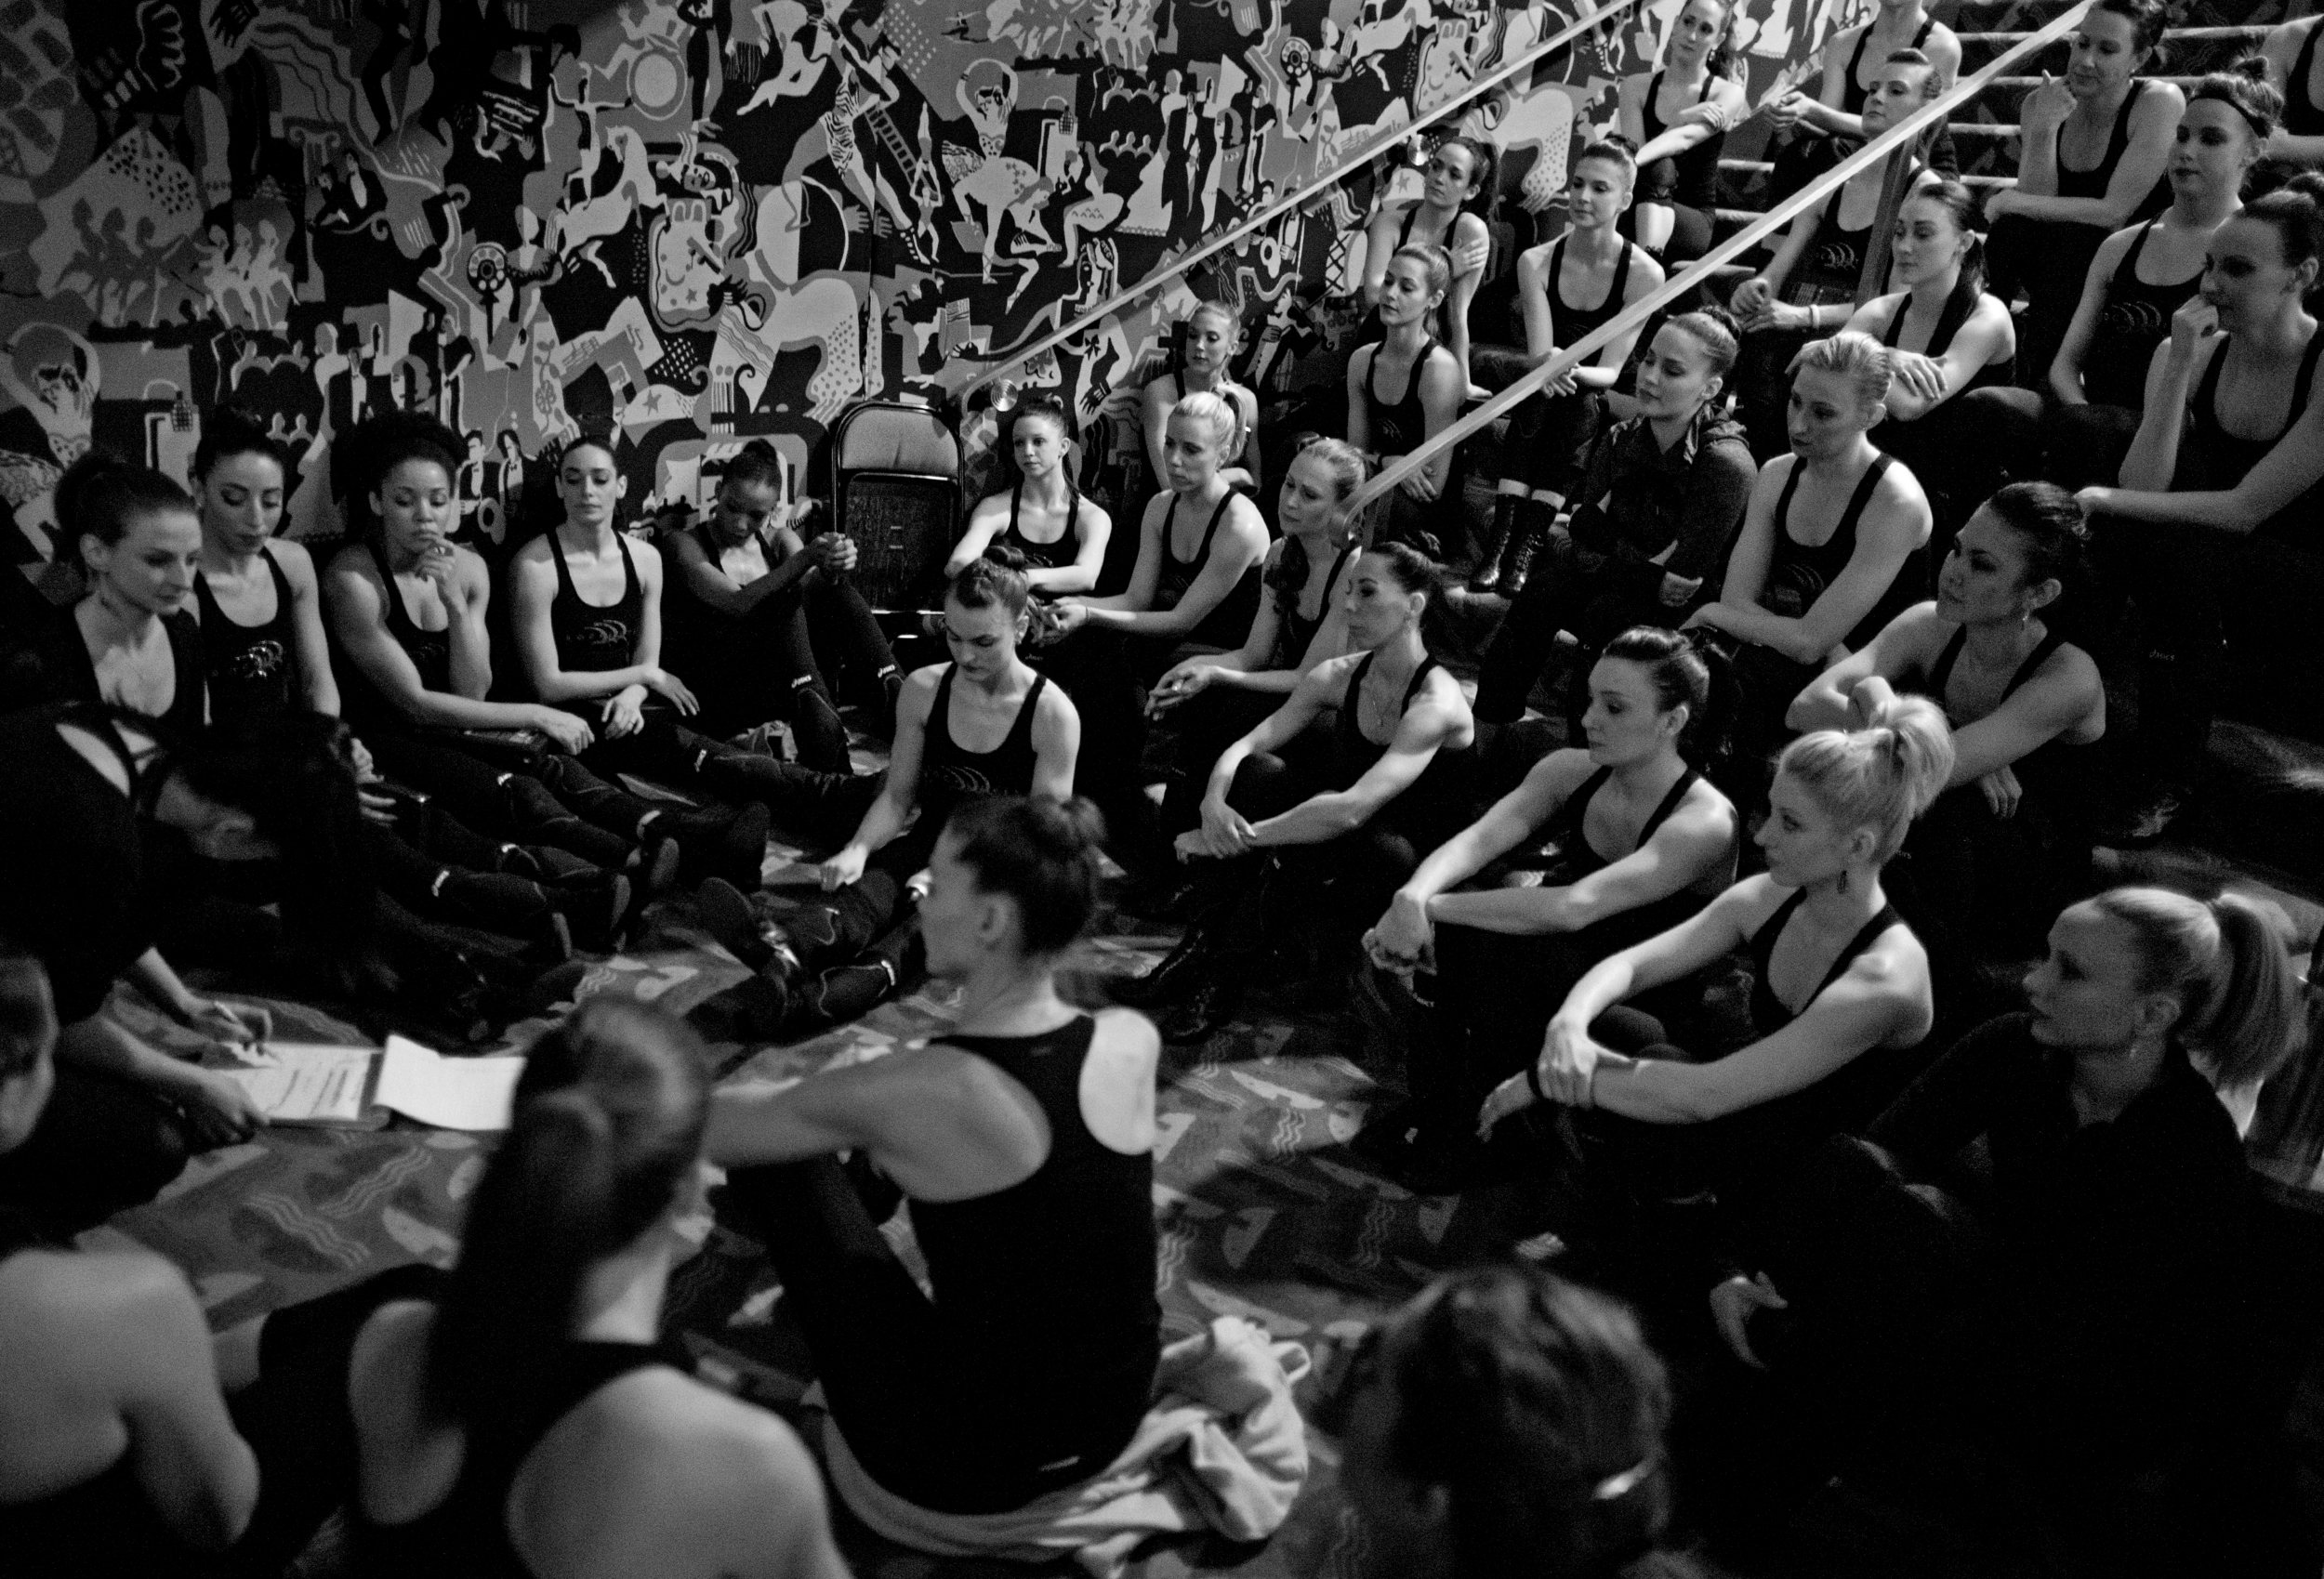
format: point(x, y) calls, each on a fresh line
point(1487, 574)
point(1534, 522)
point(1179, 972)
point(598, 911)
point(817, 731)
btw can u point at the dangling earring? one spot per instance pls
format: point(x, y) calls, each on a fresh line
point(1844, 880)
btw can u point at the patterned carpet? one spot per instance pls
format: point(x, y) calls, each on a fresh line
point(1262, 1211)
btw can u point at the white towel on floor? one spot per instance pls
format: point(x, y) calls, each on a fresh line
point(1221, 1448)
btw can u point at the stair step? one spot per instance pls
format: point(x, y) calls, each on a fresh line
point(2192, 49)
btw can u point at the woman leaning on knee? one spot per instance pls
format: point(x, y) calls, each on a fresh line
point(1843, 989)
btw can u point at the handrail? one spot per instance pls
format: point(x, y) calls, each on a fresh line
point(1896, 137)
point(1282, 205)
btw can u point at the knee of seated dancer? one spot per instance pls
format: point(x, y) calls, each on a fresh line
point(1265, 785)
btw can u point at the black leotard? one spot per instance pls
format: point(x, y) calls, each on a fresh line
point(1694, 172)
point(251, 669)
point(52, 663)
point(2093, 182)
point(1770, 1013)
point(72, 880)
point(1798, 573)
point(2302, 116)
point(1400, 429)
point(1226, 625)
point(1572, 322)
point(1052, 1280)
point(2213, 459)
point(1957, 307)
point(2136, 319)
point(591, 640)
point(1294, 631)
point(952, 775)
point(467, 1535)
point(1057, 554)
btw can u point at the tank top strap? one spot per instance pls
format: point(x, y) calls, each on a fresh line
point(2207, 391)
point(1571, 816)
point(206, 601)
point(940, 710)
point(630, 585)
point(2300, 112)
point(1355, 682)
point(281, 582)
point(1016, 497)
point(1021, 730)
point(565, 572)
point(1072, 515)
point(1420, 678)
point(1783, 504)
point(1941, 673)
point(1403, 232)
point(1861, 498)
point(1763, 940)
point(1670, 803)
point(2306, 382)
point(1958, 306)
point(2128, 268)
point(1868, 934)
point(2050, 641)
point(1331, 582)
point(1652, 122)
point(1202, 555)
point(1557, 277)
point(1855, 58)
point(1922, 37)
point(1896, 319)
point(400, 622)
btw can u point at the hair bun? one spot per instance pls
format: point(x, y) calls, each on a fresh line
point(1007, 555)
point(2251, 66)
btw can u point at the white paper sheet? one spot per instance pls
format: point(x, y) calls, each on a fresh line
point(477, 1094)
point(307, 1082)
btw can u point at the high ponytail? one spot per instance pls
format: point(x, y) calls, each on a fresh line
point(2228, 966)
point(1881, 777)
point(607, 1129)
point(1698, 676)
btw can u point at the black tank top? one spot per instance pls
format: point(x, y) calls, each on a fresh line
point(429, 650)
point(1835, 256)
point(2136, 320)
point(251, 667)
point(1798, 574)
point(1047, 555)
point(1580, 858)
point(591, 640)
point(1696, 171)
point(465, 1535)
point(1572, 322)
point(2303, 115)
point(952, 775)
point(1769, 1013)
point(1957, 307)
point(1226, 625)
point(1397, 429)
point(1852, 93)
point(1054, 1275)
point(2094, 182)
point(1295, 631)
point(1353, 753)
point(52, 663)
point(2213, 459)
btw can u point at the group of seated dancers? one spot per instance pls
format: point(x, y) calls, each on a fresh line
point(1824, 592)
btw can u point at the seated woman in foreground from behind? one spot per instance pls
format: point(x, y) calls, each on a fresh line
point(1506, 1422)
point(1292, 827)
point(116, 1453)
point(1833, 545)
point(1023, 1137)
point(2008, 839)
point(2086, 1341)
point(1061, 535)
point(522, 1414)
point(1642, 840)
point(1840, 994)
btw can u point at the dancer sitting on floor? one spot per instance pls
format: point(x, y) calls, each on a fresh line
point(1426, 509)
point(1197, 583)
point(1210, 700)
point(410, 613)
point(1069, 554)
point(2214, 521)
point(1640, 841)
point(600, 657)
point(1025, 1138)
point(1350, 813)
point(522, 1415)
point(2087, 1328)
point(1802, 583)
point(983, 724)
point(1504, 1422)
point(760, 616)
point(2009, 841)
point(1551, 432)
point(91, 787)
point(1677, 118)
point(1662, 494)
point(1839, 1000)
point(116, 1453)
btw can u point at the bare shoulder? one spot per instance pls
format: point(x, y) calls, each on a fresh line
point(920, 689)
point(352, 564)
point(1647, 274)
point(1125, 1033)
point(108, 1290)
point(1053, 708)
point(534, 553)
point(2159, 107)
point(1899, 490)
point(298, 566)
point(1533, 264)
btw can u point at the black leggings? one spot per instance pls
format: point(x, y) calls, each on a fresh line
point(764, 665)
point(529, 796)
point(104, 1144)
point(914, 1390)
point(1204, 725)
point(2050, 259)
point(1595, 605)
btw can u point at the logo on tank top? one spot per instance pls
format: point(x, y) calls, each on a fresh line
point(1792, 590)
point(963, 783)
point(600, 636)
point(2140, 318)
point(259, 661)
point(1839, 258)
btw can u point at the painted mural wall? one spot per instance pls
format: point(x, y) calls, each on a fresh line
point(698, 221)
